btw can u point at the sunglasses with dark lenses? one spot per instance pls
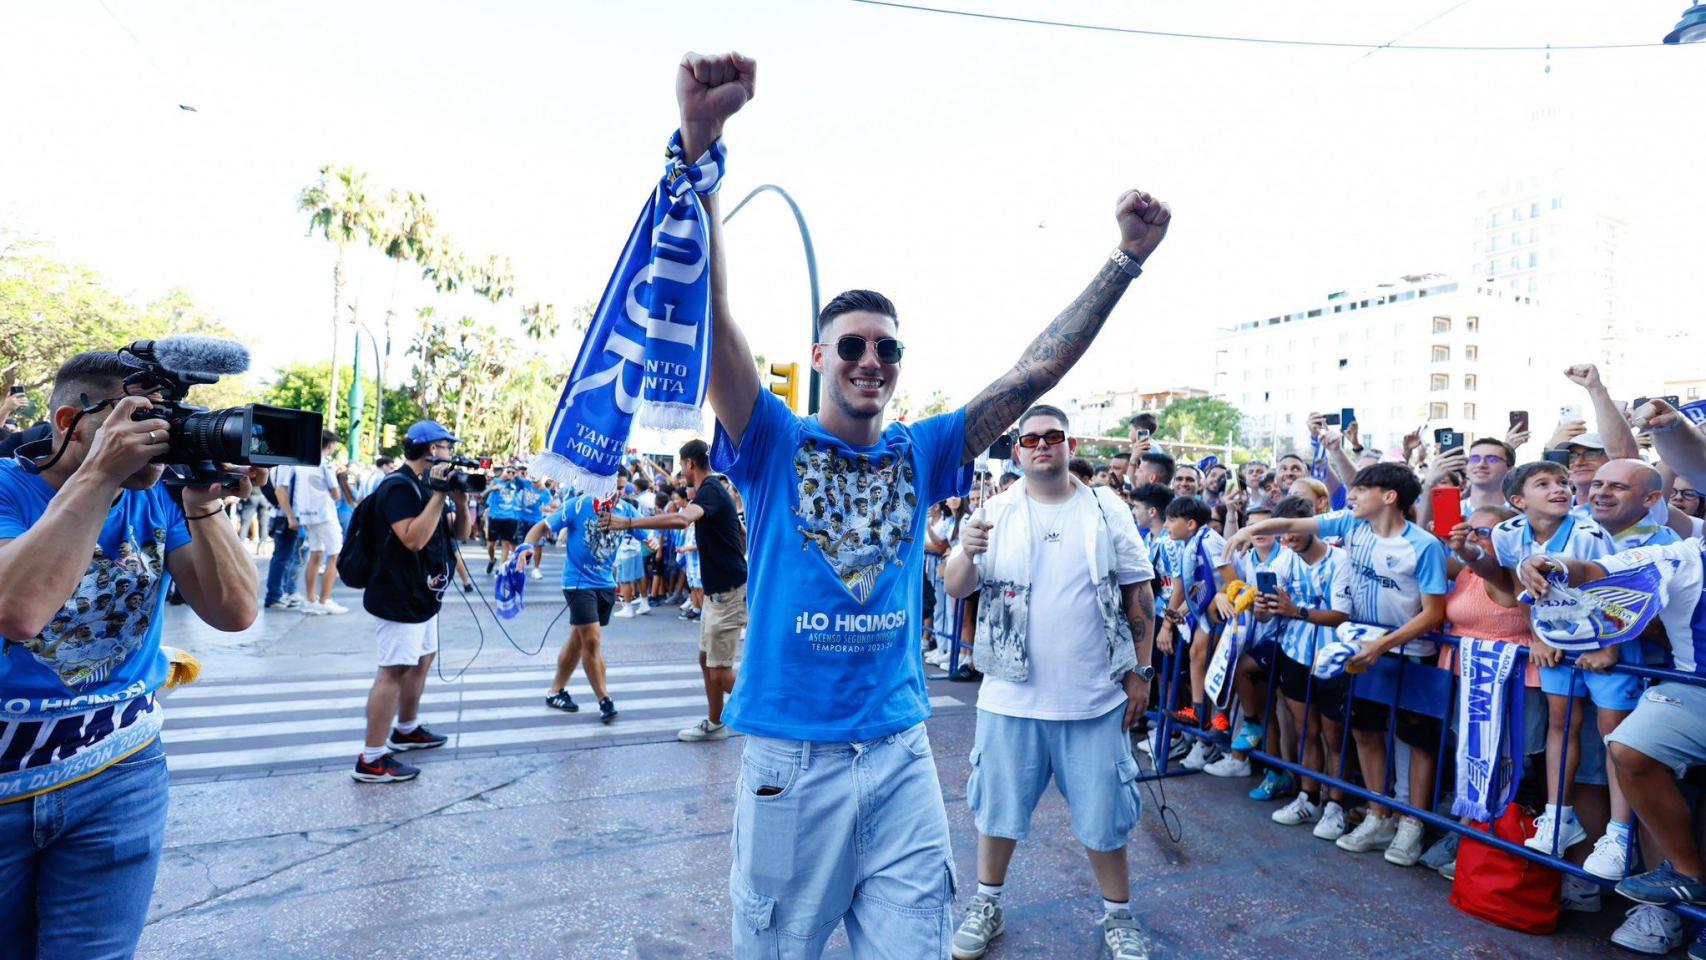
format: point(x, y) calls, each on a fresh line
point(1482, 532)
point(851, 348)
point(1030, 441)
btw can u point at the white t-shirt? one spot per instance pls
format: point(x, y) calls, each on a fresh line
point(1065, 640)
point(314, 486)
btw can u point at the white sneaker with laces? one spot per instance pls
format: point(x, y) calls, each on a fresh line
point(1373, 833)
point(704, 730)
point(1332, 825)
point(1298, 811)
point(1122, 937)
point(1649, 929)
point(314, 610)
point(1609, 859)
point(982, 924)
point(1199, 757)
point(536, 575)
point(642, 606)
point(1570, 833)
point(623, 611)
point(334, 607)
point(293, 601)
point(1228, 766)
point(1406, 846)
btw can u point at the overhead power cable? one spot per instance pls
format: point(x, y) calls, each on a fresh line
point(1272, 41)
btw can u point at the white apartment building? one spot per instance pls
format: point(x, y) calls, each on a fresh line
point(1099, 414)
point(1425, 348)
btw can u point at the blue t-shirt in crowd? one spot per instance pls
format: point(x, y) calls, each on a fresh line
point(836, 559)
point(103, 646)
point(501, 502)
point(529, 501)
point(589, 554)
point(1389, 575)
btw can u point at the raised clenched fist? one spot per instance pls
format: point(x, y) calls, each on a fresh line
point(712, 87)
point(1143, 223)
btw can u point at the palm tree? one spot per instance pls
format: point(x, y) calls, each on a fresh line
point(404, 229)
point(339, 208)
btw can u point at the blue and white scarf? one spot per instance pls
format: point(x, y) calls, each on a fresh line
point(1489, 744)
point(512, 583)
point(647, 352)
point(1335, 655)
point(1318, 468)
point(1608, 611)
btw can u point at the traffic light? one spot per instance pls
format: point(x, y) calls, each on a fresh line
point(388, 435)
point(787, 385)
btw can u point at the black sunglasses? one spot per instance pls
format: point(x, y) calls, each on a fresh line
point(851, 347)
point(1030, 441)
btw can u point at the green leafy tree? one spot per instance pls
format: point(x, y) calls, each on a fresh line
point(342, 209)
point(1207, 420)
point(304, 387)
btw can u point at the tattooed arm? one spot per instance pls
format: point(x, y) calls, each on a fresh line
point(1143, 223)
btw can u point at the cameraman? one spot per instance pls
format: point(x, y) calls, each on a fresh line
point(414, 566)
point(89, 545)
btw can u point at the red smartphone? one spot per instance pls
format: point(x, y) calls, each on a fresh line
point(1447, 509)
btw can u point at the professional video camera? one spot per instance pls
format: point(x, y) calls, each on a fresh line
point(254, 434)
point(459, 479)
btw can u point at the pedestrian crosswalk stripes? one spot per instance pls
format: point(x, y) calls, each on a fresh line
point(231, 726)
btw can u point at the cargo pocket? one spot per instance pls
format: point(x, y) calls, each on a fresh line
point(974, 783)
point(755, 918)
point(1131, 795)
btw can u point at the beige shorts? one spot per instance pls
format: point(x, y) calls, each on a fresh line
point(722, 626)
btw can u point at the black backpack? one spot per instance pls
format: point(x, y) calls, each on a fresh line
point(365, 538)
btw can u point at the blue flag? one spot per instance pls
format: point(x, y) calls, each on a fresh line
point(1600, 614)
point(647, 352)
point(511, 582)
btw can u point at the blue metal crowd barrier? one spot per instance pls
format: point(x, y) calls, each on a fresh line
point(1395, 682)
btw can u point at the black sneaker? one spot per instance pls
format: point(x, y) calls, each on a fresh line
point(384, 770)
point(468, 587)
point(489, 565)
point(562, 701)
point(607, 709)
point(419, 738)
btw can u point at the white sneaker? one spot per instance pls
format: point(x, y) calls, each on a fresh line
point(1649, 929)
point(642, 606)
point(1609, 859)
point(334, 607)
point(704, 730)
point(1570, 833)
point(1373, 833)
point(1199, 757)
point(293, 601)
point(1579, 896)
point(1406, 846)
point(314, 610)
point(1332, 825)
point(1228, 766)
point(623, 611)
point(982, 924)
point(536, 575)
point(1298, 811)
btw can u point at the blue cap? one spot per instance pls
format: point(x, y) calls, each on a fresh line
point(429, 431)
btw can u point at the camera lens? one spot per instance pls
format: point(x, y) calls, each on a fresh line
point(216, 435)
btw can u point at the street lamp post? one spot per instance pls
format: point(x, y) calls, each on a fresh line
point(811, 267)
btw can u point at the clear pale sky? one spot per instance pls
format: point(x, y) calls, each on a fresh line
point(966, 168)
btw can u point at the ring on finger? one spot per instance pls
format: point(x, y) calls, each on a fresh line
point(153, 436)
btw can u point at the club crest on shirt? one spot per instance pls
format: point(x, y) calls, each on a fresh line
point(857, 510)
point(107, 617)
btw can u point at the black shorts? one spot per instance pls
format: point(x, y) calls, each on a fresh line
point(590, 606)
point(1294, 681)
point(500, 531)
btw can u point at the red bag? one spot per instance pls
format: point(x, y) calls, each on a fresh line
point(1502, 888)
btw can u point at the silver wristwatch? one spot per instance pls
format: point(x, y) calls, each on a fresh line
point(1121, 259)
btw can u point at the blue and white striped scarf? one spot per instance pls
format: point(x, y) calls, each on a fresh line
point(1489, 742)
point(647, 352)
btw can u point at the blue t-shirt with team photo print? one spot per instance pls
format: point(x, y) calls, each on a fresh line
point(836, 553)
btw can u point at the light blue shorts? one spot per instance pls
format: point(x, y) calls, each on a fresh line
point(1090, 761)
point(1669, 725)
point(1608, 691)
point(826, 832)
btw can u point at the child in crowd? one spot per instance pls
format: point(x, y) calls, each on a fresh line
point(1397, 581)
point(1255, 658)
point(1541, 491)
point(1311, 597)
point(1194, 573)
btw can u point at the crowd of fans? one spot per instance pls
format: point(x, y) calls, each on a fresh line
point(1349, 535)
